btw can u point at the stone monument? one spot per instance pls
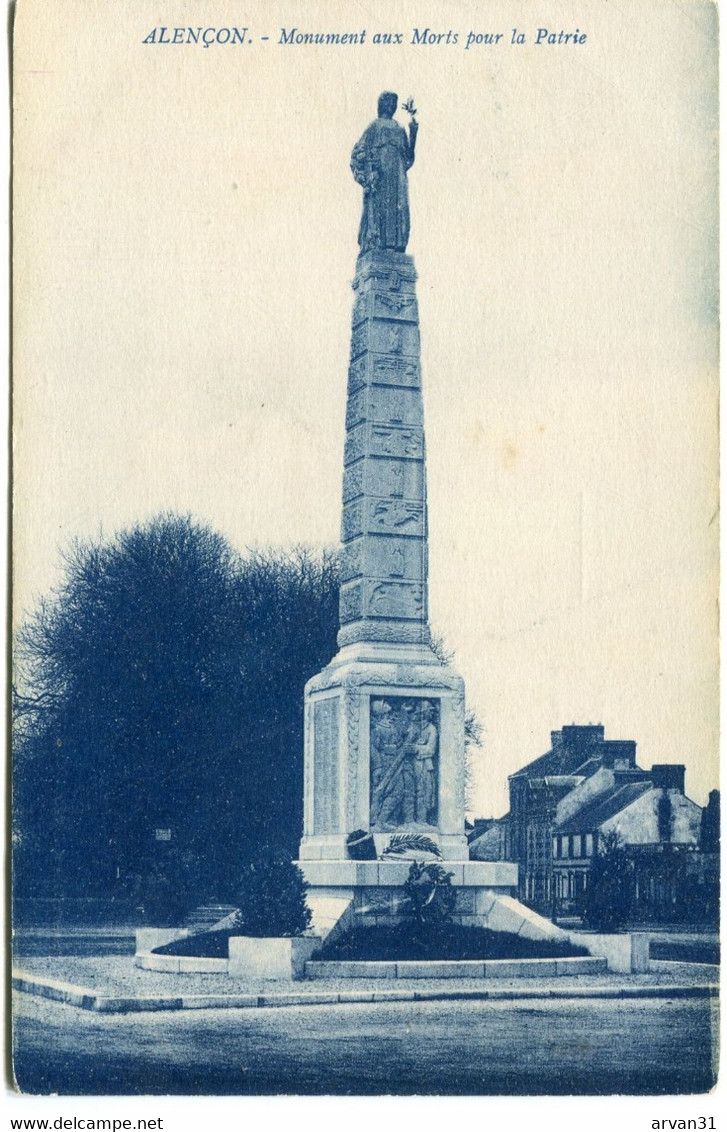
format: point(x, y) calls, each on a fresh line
point(384, 721)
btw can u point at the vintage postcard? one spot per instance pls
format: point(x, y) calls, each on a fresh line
point(365, 550)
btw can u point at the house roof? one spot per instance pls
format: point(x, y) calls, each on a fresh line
point(592, 816)
point(560, 762)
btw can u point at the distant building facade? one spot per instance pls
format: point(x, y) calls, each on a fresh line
point(564, 803)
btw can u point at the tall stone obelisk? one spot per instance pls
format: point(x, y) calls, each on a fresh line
point(384, 721)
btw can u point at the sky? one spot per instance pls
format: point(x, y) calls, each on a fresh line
point(185, 239)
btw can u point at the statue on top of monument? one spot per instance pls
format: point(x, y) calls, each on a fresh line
point(379, 163)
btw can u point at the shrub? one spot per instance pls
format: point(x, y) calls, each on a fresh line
point(608, 897)
point(271, 900)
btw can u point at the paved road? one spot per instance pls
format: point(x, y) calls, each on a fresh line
point(529, 1047)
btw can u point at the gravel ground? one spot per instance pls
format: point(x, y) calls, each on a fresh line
point(114, 975)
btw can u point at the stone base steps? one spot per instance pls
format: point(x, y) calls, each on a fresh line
point(206, 916)
point(456, 968)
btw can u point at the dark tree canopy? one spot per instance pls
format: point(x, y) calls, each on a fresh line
point(160, 687)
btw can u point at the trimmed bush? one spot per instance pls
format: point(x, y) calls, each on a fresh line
point(271, 900)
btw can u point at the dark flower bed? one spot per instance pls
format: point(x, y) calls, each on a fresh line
point(204, 945)
point(444, 941)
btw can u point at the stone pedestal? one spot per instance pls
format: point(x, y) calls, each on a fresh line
point(344, 775)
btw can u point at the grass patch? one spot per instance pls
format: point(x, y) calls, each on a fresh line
point(446, 941)
point(685, 951)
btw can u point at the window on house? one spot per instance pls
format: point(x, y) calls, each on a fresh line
point(576, 845)
point(589, 844)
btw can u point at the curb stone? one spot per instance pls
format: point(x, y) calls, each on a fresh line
point(86, 999)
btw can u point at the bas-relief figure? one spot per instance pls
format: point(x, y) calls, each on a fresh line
point(379, 162)
point(404, 744)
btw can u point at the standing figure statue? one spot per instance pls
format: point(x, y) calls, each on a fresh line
point(379, 163)
point(425, 754)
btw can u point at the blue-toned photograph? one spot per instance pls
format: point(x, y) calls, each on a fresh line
point(365, 551)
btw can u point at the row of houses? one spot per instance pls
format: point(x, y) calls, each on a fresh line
point(564, 804)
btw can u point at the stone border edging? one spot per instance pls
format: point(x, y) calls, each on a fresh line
point(456, 968)
point(87, 999)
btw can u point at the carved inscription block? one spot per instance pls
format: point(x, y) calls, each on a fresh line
point(404, 768)
point(326, 785)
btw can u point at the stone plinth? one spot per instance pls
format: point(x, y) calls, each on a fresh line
point(351, 773)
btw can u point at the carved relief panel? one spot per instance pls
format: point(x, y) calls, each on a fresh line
point(384, 440)
point(400, 479)
point(395, 371)
point(356, 408)
point(396, 558)
point(396, 600)
point(352, 520)
point(397, 338)
point(396, 441)
point(357, 372)
point(404, 761)
point(395, 406)
point(384, 558)
point(353, 480)
point(396, 516)
point(350, 604)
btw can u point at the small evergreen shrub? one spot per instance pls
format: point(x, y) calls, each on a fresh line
point(271, 899)
point(606, 903)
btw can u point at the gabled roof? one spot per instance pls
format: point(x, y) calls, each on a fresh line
point(559, 762)
point(592, 816)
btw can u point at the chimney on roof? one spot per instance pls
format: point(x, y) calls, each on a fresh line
point(668, 776)
point(619, 754)
point(624, 775)
point(582, 735)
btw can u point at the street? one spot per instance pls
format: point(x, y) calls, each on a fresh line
point(526, 1047)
